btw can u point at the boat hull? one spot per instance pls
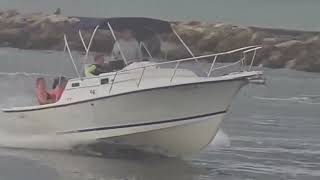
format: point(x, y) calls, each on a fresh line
point(175, 120)
point(177, 140)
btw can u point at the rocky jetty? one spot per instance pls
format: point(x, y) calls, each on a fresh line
point(281, 48)
point(298, 50)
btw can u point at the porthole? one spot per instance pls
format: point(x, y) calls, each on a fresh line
point(104, 81)
point(75, 84)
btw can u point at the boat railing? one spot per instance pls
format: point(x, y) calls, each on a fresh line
point(243, 61)
point(245, 66)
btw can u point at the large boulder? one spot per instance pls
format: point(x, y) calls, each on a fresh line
point(274, 60)
point(10, 13)
point(210, 41)
point(236, 38)
point(290, 49)
point(308, 58)
point(173, 52)
point(270, 41)
point(189, 33)
point(257, 38)
point(47, 31)
point(289, 44)
point(14, 37)
point(12, 19)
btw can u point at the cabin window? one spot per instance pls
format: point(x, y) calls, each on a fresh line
point(105, 81)
point(75, 84)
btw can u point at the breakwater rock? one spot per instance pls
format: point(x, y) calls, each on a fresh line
point(282, 48)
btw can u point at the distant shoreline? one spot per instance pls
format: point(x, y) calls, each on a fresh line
point(282, 48)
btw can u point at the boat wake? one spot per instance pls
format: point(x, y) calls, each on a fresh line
point(17, 138)
point(107, 149)
point(34, 142)
point(11, 137)
point(306, 99)
point(26, 74)
point(221, 140)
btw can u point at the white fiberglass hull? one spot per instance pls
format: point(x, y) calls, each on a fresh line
point(175, 140)
point(176, 120)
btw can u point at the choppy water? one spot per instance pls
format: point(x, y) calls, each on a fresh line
point(271, 132)
point(296, 14)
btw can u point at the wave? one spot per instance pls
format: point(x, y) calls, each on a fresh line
point(221, 140)
point(311, 96)
point(33, 142)
point(26, 74)
point(44, 142)
point(306, 99)
point(281, 99)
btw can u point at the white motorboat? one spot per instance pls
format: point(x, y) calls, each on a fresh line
point(146, 104)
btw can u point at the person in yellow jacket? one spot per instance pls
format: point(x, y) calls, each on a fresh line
point(98, 67)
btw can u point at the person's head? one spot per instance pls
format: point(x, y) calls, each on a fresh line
point(126, 34)
point(99, 59)
point(40, 83)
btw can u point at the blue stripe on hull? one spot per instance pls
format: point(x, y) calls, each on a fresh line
point(143, 124)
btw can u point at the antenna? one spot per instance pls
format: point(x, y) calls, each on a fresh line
point(70, 55)
point(184, 44)
point(118, 45)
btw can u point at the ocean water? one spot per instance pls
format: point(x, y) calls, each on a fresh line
point(293, 14)
point(270, 132)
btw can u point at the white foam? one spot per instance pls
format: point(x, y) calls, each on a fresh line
point(221, 140)
point(48, 142)
point(281, 99)
point(11, 136)
point(34, 142)
point(307, 99)
point(26, 74)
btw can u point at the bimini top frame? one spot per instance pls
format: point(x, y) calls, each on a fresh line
point(143, 28)
point(162, 27)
